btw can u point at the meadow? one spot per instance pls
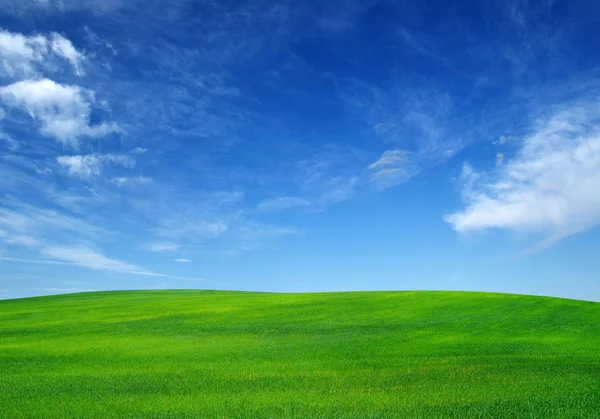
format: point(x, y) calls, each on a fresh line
point(419, 354)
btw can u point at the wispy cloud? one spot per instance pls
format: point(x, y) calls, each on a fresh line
point(182, 260)
point(331, 175)
point(449, 153)
point(550, 186)
point(178, 221)
point(161, 247)
point(91, 165)
point(191, 227)
point(419, 44)
point(416, 118)
point(132, 181)
point(17, 239)
point(86, 258)
point(282, 203)
point(503, 139)
point(390, 158)
point(10, 142)
point(499, 159)
point(43, 224)
point(231, 234)
point(390, 169)
point(253, 235)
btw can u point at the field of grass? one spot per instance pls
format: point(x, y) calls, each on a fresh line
point(359, 354)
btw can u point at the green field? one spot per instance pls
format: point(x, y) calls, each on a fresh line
point(357, 354)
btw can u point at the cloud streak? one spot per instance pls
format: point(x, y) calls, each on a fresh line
point(109, 267)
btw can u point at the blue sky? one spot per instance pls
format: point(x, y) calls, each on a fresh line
point(300, 146)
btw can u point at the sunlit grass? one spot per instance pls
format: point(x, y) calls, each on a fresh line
point(363, 354)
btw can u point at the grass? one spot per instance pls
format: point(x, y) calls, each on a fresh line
point(360, 354)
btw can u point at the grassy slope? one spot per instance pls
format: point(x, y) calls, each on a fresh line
point(231, 354)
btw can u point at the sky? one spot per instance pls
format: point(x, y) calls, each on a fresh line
point(294, 146)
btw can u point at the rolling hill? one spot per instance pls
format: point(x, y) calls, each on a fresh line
point(356, 354)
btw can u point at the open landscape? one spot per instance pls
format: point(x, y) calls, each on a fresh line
point(319, 355)
point(299, 209)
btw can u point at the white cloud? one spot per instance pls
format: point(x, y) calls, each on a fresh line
point(503, 139)
point(386, 173)
point(550, 186)
point(64, 48)
point(23, 219)
point(139, 150)
point(84, 256)
point(390, 158)
point(44, 172)
point(63, 110)
point(449, 153)
point(25, 55)
point(19, 54)
point(391, 168)
point(178, 228)
point(92, 165)
point(17, 239)
point(122, 182)
point(20, 240)
point(282, 203)
point(182, 260)
point(11, 143)
point(499, 159)
point(162, 247)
